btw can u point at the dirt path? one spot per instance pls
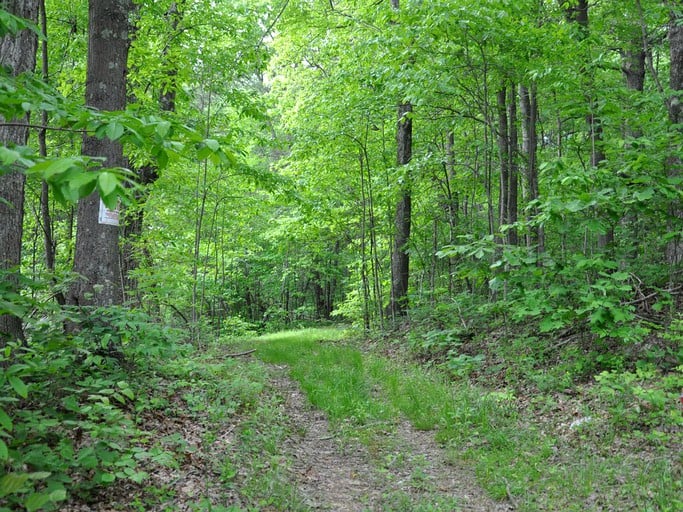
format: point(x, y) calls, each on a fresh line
point(404, 471)
point(409, 472)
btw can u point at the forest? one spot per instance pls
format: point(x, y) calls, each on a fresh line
point(453, 228)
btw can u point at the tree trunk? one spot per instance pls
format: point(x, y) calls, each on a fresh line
point(675, 247)
point(513, 154)
point(504, 159)
point(17, 52)
point(633, 67)
point(97, 245)
point(529, 111)
point(451, 202)
point(579, 15)
point(400, 261)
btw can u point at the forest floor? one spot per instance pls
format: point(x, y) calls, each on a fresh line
point(275, 431)
point(321, 469)
point(407, 471)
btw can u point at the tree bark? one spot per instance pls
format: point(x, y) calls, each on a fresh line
point(633, 67)
point(675, 247)
point(529, 113)
point(17, 52)
point(97, 245)
point(400, 260)
point(504, 159)
point(513, 179)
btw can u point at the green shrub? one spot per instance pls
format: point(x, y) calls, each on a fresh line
point(65, 402)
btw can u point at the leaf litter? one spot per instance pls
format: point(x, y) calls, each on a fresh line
point(330, 472)
point(342, 475)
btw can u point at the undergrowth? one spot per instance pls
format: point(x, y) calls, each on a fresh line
point(542, 450)
point(120, 408)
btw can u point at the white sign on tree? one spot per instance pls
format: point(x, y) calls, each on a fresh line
point(107, 216)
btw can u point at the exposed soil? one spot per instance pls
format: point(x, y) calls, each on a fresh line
point(343, 476)
point(404, 471)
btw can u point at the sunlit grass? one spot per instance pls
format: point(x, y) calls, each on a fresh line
point(510, 456)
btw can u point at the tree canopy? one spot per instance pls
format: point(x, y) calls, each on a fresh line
point(453, 166)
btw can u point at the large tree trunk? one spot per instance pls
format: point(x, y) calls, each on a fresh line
point(17, 52)
point(675, 247)
point(97, 245)
point(400, 261)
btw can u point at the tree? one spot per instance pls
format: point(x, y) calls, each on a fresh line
point(400, 259)
point(18, 53)
point(97, 251)
point(529, 113)
point(675, 247)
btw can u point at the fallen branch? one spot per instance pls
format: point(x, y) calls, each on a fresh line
point(672, 291)
point(240, 354)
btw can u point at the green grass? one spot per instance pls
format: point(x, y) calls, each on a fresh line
point(223, 396)
point(511, 456)
point(257, 467)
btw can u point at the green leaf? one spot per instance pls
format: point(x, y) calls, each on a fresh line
point(5, 420)
point(12, 482)
point(107, 183)
point(10, 24)
point(71, 404)
point(8, 156)
point(645, 195)
point(36, 501)
point(204, 153)
point(212, 144)
point(621, 315)
point(620, 276)
point(162, 128)
point(7, 306)
point(49, 168)
point(575, 206)
point(18, 386)
point(39, 475)
point(162, 158)
point(549, 324)
point(4, 451)
point(115, 130)
point(87, 458)
point(80, 179)
point(124, 387)
point(58, 495)
point(107, 478)
point(138, 477)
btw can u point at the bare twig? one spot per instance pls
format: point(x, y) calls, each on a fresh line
point(652, 295)
point(240, 354)
point(43, 127)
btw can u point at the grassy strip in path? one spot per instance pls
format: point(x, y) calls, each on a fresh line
point(513, 458)
point(223, 430)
